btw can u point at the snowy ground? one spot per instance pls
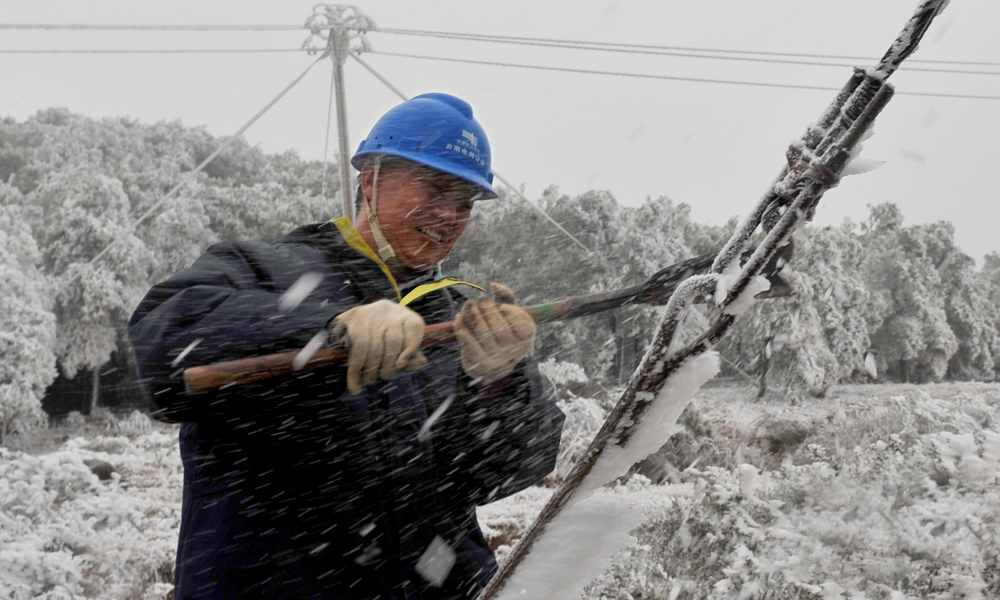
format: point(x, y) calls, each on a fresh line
point(875, 492)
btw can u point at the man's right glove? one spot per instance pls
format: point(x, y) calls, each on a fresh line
point(495, 335)
point(381, 337)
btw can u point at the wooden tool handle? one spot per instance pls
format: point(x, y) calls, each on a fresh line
point(256, 368)
point(247, 370)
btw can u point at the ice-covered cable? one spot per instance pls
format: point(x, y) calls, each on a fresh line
point(760, 84)
point(727, 55)
point(485, 37)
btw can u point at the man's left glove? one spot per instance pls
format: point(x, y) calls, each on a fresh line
point(495, 335)
point(382, 337)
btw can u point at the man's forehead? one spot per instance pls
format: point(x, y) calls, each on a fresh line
point(440, 178)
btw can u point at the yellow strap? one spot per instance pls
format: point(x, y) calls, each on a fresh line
point(354, 240)
point(426, 288)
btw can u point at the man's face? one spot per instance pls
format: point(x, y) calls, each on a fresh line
point(422, 212)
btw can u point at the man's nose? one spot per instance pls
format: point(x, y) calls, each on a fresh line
point(446, 210)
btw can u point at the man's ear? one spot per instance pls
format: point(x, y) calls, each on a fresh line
point(367, 180)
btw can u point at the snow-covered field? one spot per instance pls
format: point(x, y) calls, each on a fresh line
point(67, 533)
point(886, 491)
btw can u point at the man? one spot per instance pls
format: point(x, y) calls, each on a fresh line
point(357, 481)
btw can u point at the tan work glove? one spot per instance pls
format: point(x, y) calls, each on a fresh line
point(495, 335)
point(381, 337)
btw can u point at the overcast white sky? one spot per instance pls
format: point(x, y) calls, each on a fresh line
point(713, 146)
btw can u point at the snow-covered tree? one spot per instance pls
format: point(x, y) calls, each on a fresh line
point(908, 318)
point(829, 258)
point(177, 236)
point(263, 211)
point(785, 338)
point(973, 317)
point(27, 325)
point(83, 213)
point(788, 341)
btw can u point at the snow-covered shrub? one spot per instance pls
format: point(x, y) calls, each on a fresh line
point(813, 532)
point(75, 419)
point(504, 522)
point(102, 415)
point(136, 423)
point(66, 534)
point(694, 444)
point(584, 417)
point(906, 506)
point(561, 373)
point(892, 493)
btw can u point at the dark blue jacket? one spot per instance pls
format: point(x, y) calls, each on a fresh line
point(293, 488)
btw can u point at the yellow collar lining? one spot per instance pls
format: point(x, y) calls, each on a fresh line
point(355, 241)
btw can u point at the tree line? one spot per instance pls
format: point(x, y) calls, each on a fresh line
point(70, 185)
point(904, 294)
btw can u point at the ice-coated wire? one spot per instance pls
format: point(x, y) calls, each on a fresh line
point(357, 56)
point(491, 63)
point(135, 27)
point(153, 51)
point(485, 37)
point(737, 243)
point(761, 84)
point(461, 37)
point(549, 42)
point(518, 193)
point(685, 294)
point(737, 56)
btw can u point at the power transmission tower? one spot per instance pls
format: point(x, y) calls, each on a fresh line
point(335, 25)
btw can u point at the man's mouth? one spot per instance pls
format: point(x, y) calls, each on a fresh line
point(437, 236)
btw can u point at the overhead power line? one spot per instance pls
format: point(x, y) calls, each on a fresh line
point(489, 63)
point(553, 42)
point(741, 56)
point(156, 51)
point(133, 27)
point(459, 37)
point(670, 77)
point(512, 39)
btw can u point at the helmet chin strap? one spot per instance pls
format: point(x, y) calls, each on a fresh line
point(385, 251)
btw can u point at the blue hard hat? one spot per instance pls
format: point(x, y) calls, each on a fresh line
point(435, 130)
